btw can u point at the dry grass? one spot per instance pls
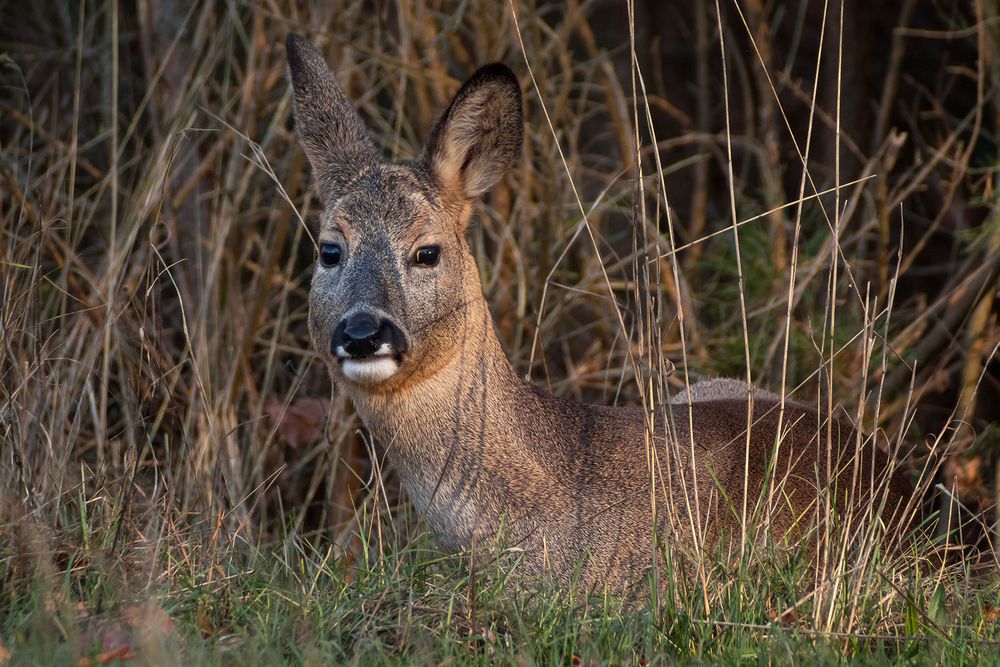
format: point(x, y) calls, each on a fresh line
point(158, 404)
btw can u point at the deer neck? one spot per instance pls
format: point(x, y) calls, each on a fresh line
point(454, 436)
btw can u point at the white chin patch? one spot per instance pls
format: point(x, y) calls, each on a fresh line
point(370, 370)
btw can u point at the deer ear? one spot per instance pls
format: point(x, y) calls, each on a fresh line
point(479, 135)
point(330, 131)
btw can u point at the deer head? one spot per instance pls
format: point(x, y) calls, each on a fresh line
point(396, 290)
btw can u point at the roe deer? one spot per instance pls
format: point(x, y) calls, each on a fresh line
point(397, 312)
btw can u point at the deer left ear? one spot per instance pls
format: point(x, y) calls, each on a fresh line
point(478, 138)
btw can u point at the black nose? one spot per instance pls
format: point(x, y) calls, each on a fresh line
point(363, 335)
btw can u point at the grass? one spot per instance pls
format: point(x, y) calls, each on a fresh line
point(178, 481)
point(288, 602)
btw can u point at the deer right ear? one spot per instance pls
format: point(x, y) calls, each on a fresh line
point(479, 136)
point(330, 131)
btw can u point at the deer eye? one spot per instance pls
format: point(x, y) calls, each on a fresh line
point(427, 255)
point(329, 254)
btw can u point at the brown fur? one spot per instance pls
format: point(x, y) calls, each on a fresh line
point(477, 448)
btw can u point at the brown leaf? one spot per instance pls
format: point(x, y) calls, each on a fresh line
point(969, 478)
point(787, 618)
point(121, 653)
point(991, 613)
point(4, 655)
point(301, 422)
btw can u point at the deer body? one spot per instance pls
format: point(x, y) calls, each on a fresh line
point(397, 311)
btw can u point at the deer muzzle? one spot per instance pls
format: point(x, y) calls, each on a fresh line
point(369, 347)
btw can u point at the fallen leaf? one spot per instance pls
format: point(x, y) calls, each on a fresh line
point(787, 618)
point(299, 423)
point(4, 655)
point(991, 613)
point(969, 476)
point(121, 653)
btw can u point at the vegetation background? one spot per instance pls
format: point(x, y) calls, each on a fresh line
point(177, 476)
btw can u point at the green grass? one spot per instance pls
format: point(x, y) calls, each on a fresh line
point(194, 599)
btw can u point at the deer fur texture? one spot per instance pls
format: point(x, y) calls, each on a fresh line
point(478, 449)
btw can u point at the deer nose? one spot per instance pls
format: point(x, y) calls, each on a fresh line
point(364, 335)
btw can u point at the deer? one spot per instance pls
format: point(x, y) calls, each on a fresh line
point(398, 315)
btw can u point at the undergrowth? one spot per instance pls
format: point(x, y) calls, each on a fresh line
point(179, 483)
